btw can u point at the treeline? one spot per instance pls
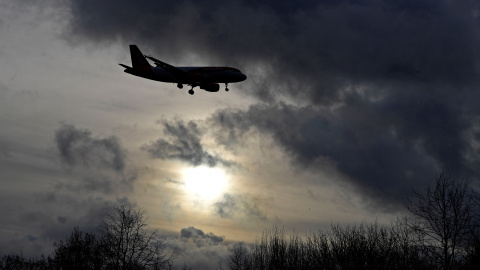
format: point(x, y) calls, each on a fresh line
point(357, 247)
point(124, 242)
point(442, 231)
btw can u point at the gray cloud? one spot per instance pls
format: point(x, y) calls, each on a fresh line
point(199, 237)
point(42, 224)
point(232, 205)
point(385, 147)
point(78, 147)
point(32, 237)
point(314, 49)
point(197, 249)
point(389, 87)
point(185, 145)
point(61, 219)
point(102, 161)
point(4, 148)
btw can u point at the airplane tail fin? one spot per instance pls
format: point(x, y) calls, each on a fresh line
point(138, 60)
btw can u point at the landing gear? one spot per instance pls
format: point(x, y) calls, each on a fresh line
point(180, 85)
point(226, 87)
point(191, 90)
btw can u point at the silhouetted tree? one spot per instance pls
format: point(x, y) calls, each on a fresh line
point(472, 256)
point(18, 262)
point(356, 247)
point(79, 251)
point(128, 243)
point(443, 220)
point(269, 250)
point(375, 247)
point(239, 259)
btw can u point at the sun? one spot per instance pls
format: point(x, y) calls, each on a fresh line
point(204, 182)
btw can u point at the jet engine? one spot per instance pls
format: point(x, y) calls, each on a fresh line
point(211, 87)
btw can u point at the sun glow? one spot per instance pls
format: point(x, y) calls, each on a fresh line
point(204, 182)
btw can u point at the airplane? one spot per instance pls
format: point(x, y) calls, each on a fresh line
point(207, 78)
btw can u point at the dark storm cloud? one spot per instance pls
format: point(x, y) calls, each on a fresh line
point(313, 49)
point(385, 147)
point(78, 147)
point(390, 87)
point(238, 204)
point(185, 145)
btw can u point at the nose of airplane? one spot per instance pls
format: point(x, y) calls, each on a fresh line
point(243, 77)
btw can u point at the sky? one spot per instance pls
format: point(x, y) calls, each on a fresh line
point(348, 106)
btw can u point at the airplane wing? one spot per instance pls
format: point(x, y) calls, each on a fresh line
point(174, 70)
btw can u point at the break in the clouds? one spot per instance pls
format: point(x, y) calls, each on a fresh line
point(184, 145)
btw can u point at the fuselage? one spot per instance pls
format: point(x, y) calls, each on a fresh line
point(195, 75)
point(201, 74)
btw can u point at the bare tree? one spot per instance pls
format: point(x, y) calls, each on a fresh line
point(129, 244)
point(18, 262)
point(364, 246)
point(79, 251)
point(443, 219)
point(239, 259)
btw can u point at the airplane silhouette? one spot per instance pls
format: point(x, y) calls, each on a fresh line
point(207, 78)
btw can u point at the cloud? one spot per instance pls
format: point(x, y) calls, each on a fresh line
point(233, 205)
point(185, 145)
point(197, 249)
point(199, 237)
point(41, 224)
point(78, 147)
point(385, 146)
point(388, 88)
point(61, 219)
point(5, 150)
point(310, 50)
point(32, 237)
point(102, 161)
